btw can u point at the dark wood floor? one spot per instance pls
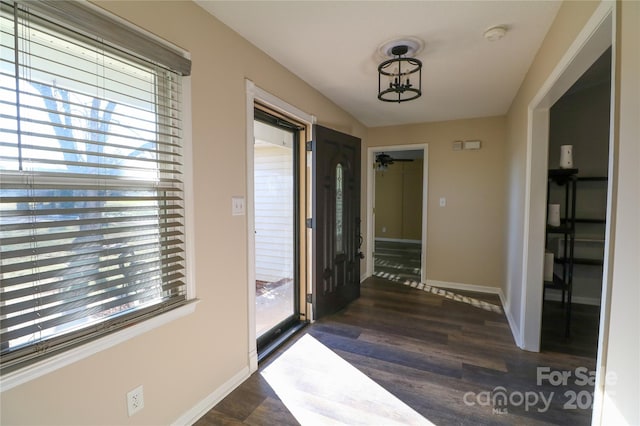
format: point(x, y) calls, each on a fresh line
point(434, 354)
point(401, 259)
point(583, 338)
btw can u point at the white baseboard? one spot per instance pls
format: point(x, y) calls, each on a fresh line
point(202, 407)
point(398, 240)
point(515, 331)
point(253, 360)
point(556, 296)
point(464, 287)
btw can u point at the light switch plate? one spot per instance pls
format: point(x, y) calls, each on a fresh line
point(237, 206)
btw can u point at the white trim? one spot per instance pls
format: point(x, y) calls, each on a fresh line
point(201, 408)
point(371, 200)
point(515, 331)
point(607, 264)
point(398, 240)
point(594, 38)
point(465, 287)
point(187, 173)
point(253, 94)
point(46, 366)
point(251, 238)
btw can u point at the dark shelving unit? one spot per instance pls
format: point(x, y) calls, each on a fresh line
point(563, 281)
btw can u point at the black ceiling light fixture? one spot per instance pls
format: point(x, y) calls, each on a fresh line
point(400, 78)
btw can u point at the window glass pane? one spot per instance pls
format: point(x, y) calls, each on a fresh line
point(274, 208)
point(8, 108)
point(339, 209)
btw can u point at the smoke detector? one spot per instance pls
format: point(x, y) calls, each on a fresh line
point(495, 33)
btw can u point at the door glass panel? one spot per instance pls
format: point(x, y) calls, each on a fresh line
point(339, 209)
point(274, 225)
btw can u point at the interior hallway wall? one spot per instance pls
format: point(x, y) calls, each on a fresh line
point(465, 239)
point(399, 201)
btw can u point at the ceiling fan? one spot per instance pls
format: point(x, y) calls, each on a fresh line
point(385, 160)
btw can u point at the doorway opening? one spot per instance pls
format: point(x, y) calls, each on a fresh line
point(593, 41)
point(278, 112)
point(575, 251)
point(276, 212)
point(397, 201)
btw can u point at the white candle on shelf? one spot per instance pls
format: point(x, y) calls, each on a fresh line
point(553, 216)
point(548, 267)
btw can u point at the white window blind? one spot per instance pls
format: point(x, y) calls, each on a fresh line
point(91, 204)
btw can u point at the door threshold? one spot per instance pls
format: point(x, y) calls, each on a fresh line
point(276, 343)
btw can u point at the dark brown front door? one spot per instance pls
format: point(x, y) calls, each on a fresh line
point(336, 220)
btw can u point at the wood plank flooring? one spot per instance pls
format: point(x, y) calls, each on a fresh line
point(401, 259)
point(445, 359)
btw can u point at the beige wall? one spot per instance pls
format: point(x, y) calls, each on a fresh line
point(183, 362)
point(398, 203)
point(465, 239)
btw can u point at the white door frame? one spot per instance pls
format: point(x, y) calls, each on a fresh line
point(371, 177)
point(255, 94)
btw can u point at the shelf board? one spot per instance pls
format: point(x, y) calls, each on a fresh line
point(562, 172)
point(589, 239)
point(584, 220)
point(562, 229)
point(562, 176)
point(592, 178)
point(589, 220)
point(557, 283)
point(582, 261)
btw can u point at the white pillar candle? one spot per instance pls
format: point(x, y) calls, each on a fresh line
point(548, 267)
point(553, 215)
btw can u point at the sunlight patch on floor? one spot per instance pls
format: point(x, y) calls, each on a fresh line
point(321, 388)
point(481, 304)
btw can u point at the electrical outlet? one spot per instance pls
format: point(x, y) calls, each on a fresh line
point(135, 400)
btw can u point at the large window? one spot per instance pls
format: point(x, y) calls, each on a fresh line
point(91, 204)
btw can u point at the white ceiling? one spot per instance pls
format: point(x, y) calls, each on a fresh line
point(333, 46)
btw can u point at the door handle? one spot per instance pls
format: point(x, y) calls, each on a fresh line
point(359, 253)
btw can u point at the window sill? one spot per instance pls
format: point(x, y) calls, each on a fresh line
point(31, 372)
